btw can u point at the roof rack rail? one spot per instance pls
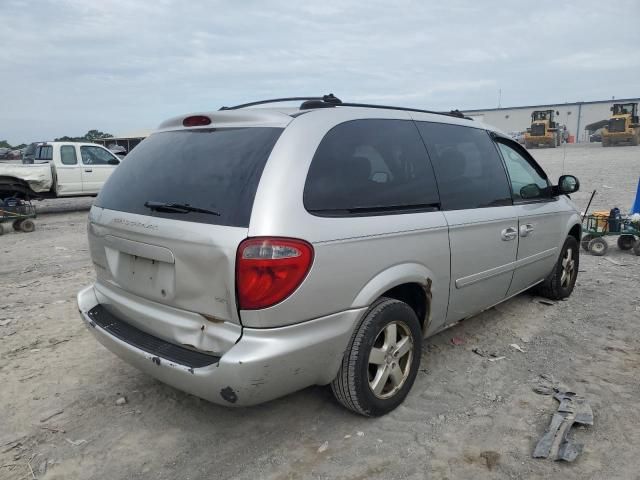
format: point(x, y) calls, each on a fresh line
point(452, 113)
point(330, 99)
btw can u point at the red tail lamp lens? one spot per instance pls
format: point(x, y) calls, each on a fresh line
point(268, 270)
point(196, 121)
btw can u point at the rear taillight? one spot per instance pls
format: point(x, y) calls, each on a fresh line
point(269, 269)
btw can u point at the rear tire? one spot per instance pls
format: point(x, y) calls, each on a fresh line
point(598, 246)
point(381, 362)
point(636, 248)
point(1, 230)
point(562, 279)
point(27, 226)
point(626, 242)
point(17, 224)
point(584, 243)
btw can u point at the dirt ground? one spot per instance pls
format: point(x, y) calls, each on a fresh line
point(466, 417)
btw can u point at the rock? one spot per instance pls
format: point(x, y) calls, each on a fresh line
point(323, 447)
point(4, 323)
point(543, 390)
point(360, 434)
point(121, 401)
point(347, 436)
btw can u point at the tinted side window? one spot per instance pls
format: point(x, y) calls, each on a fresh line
point(527, 182)
point(68, 155)
point(96, 156)
point(468, 167)
point(369, 166)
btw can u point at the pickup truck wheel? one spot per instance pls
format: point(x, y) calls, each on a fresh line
point(636, 248)
point(17, 224)
point(560, 282)
point(27, 226)
point(1, 230)
point(381, 362)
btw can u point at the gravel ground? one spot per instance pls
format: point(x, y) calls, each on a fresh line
point(466, 417)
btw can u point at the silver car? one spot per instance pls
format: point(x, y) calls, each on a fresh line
point(247, 253)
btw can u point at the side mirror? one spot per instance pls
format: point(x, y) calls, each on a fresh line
point(568, 184)
point(113, 161)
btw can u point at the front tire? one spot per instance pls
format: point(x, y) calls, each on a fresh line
point(598, 246)
point(562, 279)
point(27, 226)
point(381, 361)
point(584, 242)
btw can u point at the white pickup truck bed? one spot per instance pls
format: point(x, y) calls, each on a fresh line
point(38, 175)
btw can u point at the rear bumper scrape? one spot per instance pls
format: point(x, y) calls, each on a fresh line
point(264, 364)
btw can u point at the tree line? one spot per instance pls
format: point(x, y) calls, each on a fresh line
point(90, 136)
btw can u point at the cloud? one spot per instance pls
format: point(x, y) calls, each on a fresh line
point(117, 65)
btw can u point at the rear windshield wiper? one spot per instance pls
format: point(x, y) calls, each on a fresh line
point(171, 207)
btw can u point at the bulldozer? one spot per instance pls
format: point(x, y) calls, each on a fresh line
point(623, 127)
point(543, 130)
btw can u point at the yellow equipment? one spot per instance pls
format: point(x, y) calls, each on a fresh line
point(623, 127)
point(543, 131)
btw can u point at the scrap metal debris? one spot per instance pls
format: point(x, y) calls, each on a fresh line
point(543, 301)
point(555, 441)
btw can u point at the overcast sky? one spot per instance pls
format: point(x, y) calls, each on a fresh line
point(67, 66)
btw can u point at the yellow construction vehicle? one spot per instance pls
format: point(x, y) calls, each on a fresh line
point(623, 127)
point(543, 131)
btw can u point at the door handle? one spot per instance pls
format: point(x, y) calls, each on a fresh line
point(509, 234)
point(526, 229)
point(88, 170)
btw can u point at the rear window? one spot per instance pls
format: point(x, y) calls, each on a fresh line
point(212, 169)
point(44, 153)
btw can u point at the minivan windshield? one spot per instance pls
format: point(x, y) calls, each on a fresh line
point(215, 170)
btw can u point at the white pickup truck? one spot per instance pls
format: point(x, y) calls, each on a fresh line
point(59, 169)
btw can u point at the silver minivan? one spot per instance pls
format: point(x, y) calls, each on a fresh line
point(247, 253)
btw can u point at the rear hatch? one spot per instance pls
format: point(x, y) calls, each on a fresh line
point(166, 226)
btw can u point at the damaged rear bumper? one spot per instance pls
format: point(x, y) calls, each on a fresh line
point(264, 363)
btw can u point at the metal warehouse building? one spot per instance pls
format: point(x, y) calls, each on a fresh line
point(581, 118)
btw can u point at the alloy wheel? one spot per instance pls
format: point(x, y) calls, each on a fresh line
point(390, 359)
